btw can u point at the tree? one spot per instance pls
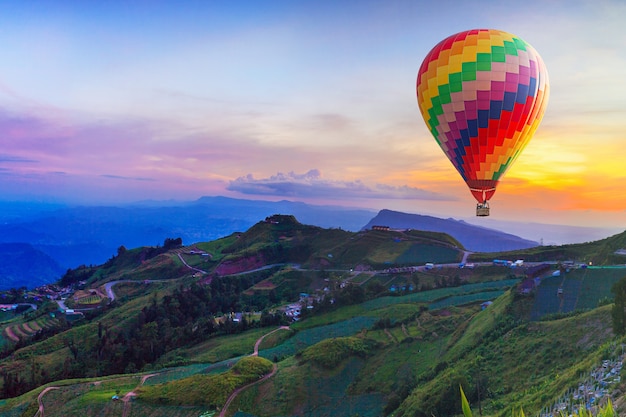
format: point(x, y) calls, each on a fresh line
point(618, 313)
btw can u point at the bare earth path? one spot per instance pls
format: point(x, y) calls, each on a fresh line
point(266, 377)
point(126, 399)
point(40, 412)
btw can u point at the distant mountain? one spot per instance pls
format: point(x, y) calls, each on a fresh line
point(89, 235)
point(85, 235)
point(473, 238)
point(23, 265)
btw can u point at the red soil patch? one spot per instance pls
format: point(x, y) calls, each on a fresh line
point(18, 331)
point(11, 335)
point(265, 285)
point(240, 265)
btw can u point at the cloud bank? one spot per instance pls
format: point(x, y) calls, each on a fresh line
point(312, 185)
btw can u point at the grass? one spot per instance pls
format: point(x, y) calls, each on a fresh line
point(433, 295)
point(419, 253)
point(209, 390)
point(457, 300)
point(305, 389)
point(329, 353)
point(224, 347)
point(308, 337)
point(105, 390)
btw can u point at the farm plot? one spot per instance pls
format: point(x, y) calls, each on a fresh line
point(140, 408)
point(581, 289)
point(596, 285)
point(181, 372)
point(547, 300)
point(571, 290)
point(458, 300)
point(342, 404)
point(320, 392)
point(24, 330)
point(309, 337)
point(420, 253)
point(438, 294)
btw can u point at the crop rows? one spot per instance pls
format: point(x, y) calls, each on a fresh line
point(458, 300)
point(27, 329)
point(189, 370)
point(421, 253)
point(441, 293)
point(581, 289)
point(309, 337)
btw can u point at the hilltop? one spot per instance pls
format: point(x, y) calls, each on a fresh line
point(377, 332)
point(89, 235)
point(474, 238)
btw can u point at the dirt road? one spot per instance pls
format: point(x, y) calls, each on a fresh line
point(40, 412)
point(266, 377)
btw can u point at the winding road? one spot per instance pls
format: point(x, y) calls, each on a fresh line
point(266, 377)
point(189, 266)
point(40, 411)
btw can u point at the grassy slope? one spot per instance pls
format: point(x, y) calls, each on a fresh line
point(405, 352)
point(601, 252)
point(411, 348)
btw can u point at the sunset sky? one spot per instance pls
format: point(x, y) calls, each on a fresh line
point(314, 101)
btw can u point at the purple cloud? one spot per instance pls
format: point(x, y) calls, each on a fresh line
point(312, 185)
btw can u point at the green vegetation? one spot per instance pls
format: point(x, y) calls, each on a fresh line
point(210, 390)
point(331, 352)
point(389, 340)
point(601, 252)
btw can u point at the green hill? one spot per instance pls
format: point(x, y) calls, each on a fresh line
point(381, 337)
point(601, 252)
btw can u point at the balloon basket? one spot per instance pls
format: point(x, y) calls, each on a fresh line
point(482, 210)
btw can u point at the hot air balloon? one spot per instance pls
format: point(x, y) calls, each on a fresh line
point(482, 94)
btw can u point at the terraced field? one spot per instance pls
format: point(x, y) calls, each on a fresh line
point(581, 289)
point(16, 331)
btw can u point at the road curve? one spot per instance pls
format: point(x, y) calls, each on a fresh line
point(266, 377)
point(40, 411)
point(189, 266)
point(108, 287)
point(238, 390)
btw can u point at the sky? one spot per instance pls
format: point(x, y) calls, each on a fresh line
point(121, 101)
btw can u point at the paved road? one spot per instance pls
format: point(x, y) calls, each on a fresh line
point(189, 266)
point(108, 287)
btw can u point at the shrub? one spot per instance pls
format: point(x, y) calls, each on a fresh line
point(330, 352)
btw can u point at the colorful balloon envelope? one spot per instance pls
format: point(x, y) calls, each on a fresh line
point(482, 94)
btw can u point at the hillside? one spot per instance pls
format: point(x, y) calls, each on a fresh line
point(473, 238)
point(383, 335)
point(601, 252)
point(24, 263)
point(85, 235)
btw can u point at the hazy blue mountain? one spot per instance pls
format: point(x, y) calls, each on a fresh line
point(473, 238)
point(90, 235)
point(87, 235)
point(23, 265)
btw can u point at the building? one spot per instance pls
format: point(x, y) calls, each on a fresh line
point(383, 228)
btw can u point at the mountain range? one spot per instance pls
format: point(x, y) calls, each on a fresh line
point(67, 237)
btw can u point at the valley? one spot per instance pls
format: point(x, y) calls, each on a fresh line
point(389, 323)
